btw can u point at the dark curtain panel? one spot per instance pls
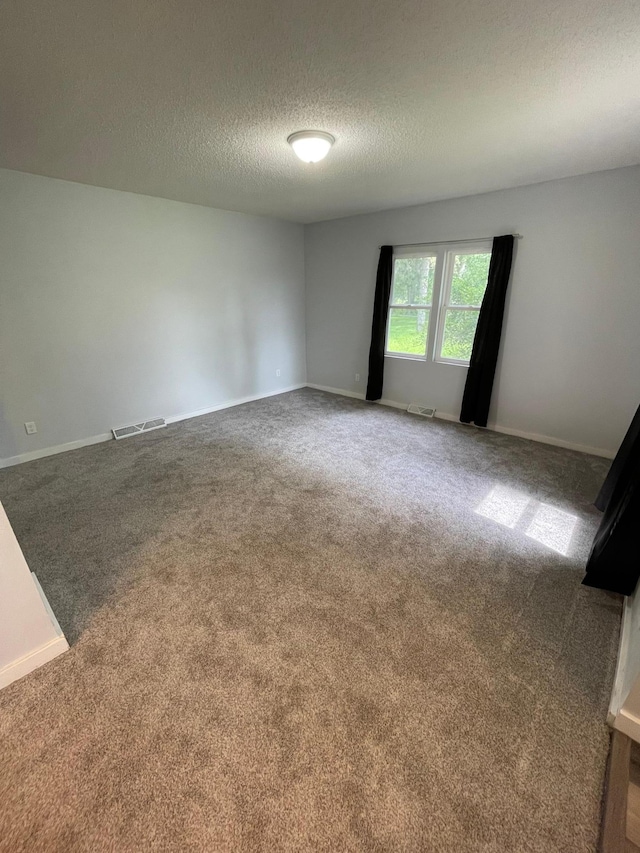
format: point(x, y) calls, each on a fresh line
point(629, 448)
point(614, 562)
point(484, 355)
point(379, 325)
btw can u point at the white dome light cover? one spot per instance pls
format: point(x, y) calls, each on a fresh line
point(311, 145)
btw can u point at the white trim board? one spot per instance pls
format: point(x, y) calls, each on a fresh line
point(24, 665)
point(231, 403)
point(446, 416)
point(628, 724)
point(107, 436)
point(358, 395)
point(36, 658)
point(47, 606)
point(51, 451)
point(625, 696)
point(621, 679)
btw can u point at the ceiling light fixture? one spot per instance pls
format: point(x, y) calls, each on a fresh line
point(311, 145)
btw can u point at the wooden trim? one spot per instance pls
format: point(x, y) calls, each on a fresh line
point(613, 837)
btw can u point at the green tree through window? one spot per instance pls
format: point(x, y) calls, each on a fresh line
point(462, 308)
point(412, 286)
point(463, 282)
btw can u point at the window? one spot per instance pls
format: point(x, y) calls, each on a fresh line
point(410, 306)
point(464, 284)
point(436, 296)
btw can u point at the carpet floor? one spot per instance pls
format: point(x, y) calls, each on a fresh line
point(311, 624)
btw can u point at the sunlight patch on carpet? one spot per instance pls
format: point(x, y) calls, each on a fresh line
point(553, 527)
point(550, 526)
point(504, 506)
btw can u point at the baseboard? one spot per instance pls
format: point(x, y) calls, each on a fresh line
point(622, 676)
point(356, 395)
point(31, 455)
point(555, 442)
point(445, 416)
point(47, 606)
point(24, 665)
point(620, 715)
point(231, 403)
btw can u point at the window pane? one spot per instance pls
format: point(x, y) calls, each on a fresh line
point(413, 281)
point(408, 331)
point(469, 279)
point(459, 331)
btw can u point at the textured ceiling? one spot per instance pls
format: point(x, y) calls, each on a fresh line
point(194, 99)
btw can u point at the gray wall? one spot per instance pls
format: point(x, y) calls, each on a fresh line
point(570, 359)
point(115, 307)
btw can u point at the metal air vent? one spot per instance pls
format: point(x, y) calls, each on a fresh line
point(135, 429)
point(425, 411)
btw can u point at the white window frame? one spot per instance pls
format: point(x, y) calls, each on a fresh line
point(444, 302)
point(427, 252)
point(444, 254)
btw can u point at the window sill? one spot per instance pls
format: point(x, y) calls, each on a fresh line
point(451, 362)
point(424, 359)
point(405, 357)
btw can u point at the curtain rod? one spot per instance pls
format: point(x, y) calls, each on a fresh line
point(444, 242)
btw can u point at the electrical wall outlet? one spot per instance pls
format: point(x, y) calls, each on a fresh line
point(31, 428)
point(278, 372)
point(357, 377)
